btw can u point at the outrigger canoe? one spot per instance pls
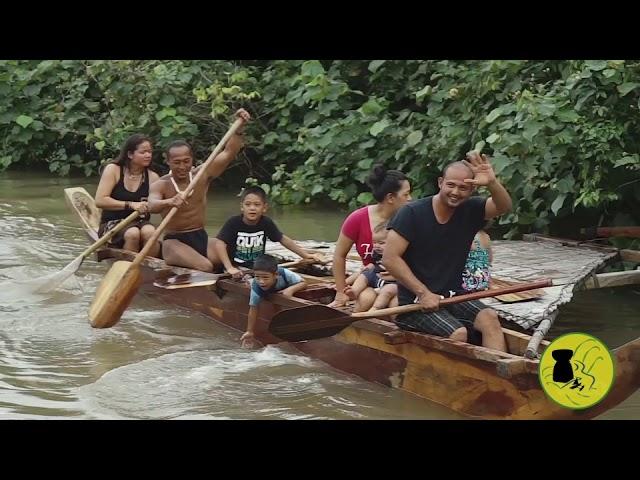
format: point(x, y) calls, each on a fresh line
point(474, 381)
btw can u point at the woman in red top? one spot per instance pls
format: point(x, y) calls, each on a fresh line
point(391, 189)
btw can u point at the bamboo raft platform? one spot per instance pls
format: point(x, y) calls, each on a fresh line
point(571, 265)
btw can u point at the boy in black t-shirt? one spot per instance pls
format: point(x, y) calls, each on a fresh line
point(243, 237)
point(427, 247)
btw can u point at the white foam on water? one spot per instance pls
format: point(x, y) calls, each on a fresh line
point(159, 387)
point(234, 381)
point(143, 315)
point(240, 361)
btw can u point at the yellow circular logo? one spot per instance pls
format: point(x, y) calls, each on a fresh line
point(576, 370)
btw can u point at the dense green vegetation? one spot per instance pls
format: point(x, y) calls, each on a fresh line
point(562, 134)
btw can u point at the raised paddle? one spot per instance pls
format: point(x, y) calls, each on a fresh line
point(319, 321)
point(122, 281)
point(52, 281)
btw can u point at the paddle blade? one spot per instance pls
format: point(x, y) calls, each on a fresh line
point(497, 283)
point(308, 323)
point(46, 283)
point(189, 280)
point(114, 294)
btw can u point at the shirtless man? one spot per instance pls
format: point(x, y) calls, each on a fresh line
point(186, 243)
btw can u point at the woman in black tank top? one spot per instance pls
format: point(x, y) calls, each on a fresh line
point(123, 188)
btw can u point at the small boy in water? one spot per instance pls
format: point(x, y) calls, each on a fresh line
point(268, 278)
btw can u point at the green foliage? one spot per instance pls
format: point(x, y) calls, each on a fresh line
point(76, 114)
point(562, 134)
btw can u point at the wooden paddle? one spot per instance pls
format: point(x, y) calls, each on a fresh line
point(125, 222)
point(513, 297)
point(319, 321)
point(122, 281)
point(47, 283)
point(73, 266)
point(204, 279)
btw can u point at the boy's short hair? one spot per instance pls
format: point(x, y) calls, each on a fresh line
point(254, 190)
point(265, 263)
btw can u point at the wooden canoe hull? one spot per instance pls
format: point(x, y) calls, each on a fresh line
point(473, 381)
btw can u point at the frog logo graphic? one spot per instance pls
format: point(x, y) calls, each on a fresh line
point(576, 371)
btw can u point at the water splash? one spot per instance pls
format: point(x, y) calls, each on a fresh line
point(41, 284)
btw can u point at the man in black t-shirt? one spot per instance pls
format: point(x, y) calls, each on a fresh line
point(427, 248)
point(243, 237)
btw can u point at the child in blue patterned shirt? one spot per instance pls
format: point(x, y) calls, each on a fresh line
point(476, 275)
point(268, 278)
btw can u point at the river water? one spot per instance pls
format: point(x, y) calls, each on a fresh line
point(162, 362)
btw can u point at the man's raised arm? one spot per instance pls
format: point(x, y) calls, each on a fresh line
point(231, 149)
